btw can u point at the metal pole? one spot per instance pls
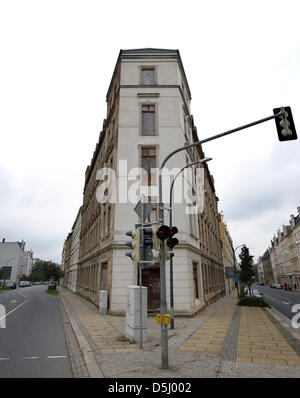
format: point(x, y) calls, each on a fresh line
point(140, 272)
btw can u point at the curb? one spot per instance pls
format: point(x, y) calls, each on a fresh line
point(87, 352)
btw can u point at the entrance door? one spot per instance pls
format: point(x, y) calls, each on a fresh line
point(150, 279)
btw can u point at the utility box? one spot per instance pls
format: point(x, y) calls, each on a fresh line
point(133, 317)
point(103, 300)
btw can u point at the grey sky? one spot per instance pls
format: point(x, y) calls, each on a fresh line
point(57, 58)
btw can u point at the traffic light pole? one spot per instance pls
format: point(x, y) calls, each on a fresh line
point(162, 258)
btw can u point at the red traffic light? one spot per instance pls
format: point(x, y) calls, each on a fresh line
point(173, 231)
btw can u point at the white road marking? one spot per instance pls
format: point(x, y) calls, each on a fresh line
point(56, 356)
point(10, 312)
point(13, 301)
point(4, 359)
point(29, 357)
point(284, 302)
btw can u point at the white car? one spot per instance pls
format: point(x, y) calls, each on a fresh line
point(276, 285)
point(254, 292)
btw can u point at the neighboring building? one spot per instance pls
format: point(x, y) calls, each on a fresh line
point(75, 240)
point(294, 249)
point(228, 254)
point(285, 253)
point(12, 260)
point(27, 262)
point(265, 261)
point(148, 116)
point(260, 271)
point(66, 260)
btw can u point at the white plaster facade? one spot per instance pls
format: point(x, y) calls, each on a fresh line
point(75, 240)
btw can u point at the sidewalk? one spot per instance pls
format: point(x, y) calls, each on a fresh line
point(225, 340)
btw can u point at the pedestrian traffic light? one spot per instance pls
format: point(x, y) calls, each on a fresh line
point(285, 124)
point(135, 245)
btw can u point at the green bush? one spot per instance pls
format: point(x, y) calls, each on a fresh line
point(253, 302)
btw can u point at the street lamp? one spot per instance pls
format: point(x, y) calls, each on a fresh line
point(171, 223)
point(234, 258)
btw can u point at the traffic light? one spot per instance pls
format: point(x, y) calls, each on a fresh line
point(285, 124)
point(147, 244)
point(172, 242)
point(135, 245)
point(166, 234)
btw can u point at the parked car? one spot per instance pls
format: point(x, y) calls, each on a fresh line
point(12, 285)
point(254, 292)
point(276, 286)
point(22, 284)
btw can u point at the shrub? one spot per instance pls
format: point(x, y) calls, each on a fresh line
point(253, 302)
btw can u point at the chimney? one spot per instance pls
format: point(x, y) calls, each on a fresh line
point(3, 240)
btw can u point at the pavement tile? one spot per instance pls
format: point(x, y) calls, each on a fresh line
point(293, 362)
point(243, 359)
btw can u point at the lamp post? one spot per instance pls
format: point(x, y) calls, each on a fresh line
point(171, 223)
point(237, 284)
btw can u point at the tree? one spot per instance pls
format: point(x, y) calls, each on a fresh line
point(43, 270)
point(247, 272)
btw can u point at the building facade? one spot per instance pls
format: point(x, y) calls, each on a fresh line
point(285, 253)
point(228, 254)
point(148, 116)
point(265, 261)
point(13, 260)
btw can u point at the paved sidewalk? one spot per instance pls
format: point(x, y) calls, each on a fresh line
point(225, 340)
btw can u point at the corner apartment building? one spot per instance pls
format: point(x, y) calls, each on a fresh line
point(148, 116)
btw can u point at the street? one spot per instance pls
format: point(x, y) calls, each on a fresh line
point(282, 300)
point(33, 342)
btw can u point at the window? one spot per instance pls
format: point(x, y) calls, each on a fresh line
point(148, 164)
point(195, 277)
point(148, 77)
point(148, 120)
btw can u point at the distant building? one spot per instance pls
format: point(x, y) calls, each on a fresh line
point(266, 264)
point(228, 255)
point(27, 262)
point(13, 260)
point(260, 271)
point(70, 255)
point(285, 253)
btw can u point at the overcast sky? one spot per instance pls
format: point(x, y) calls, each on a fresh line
point(241, 58)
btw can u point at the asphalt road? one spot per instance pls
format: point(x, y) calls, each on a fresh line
point(32, 338)
point(282, 300)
